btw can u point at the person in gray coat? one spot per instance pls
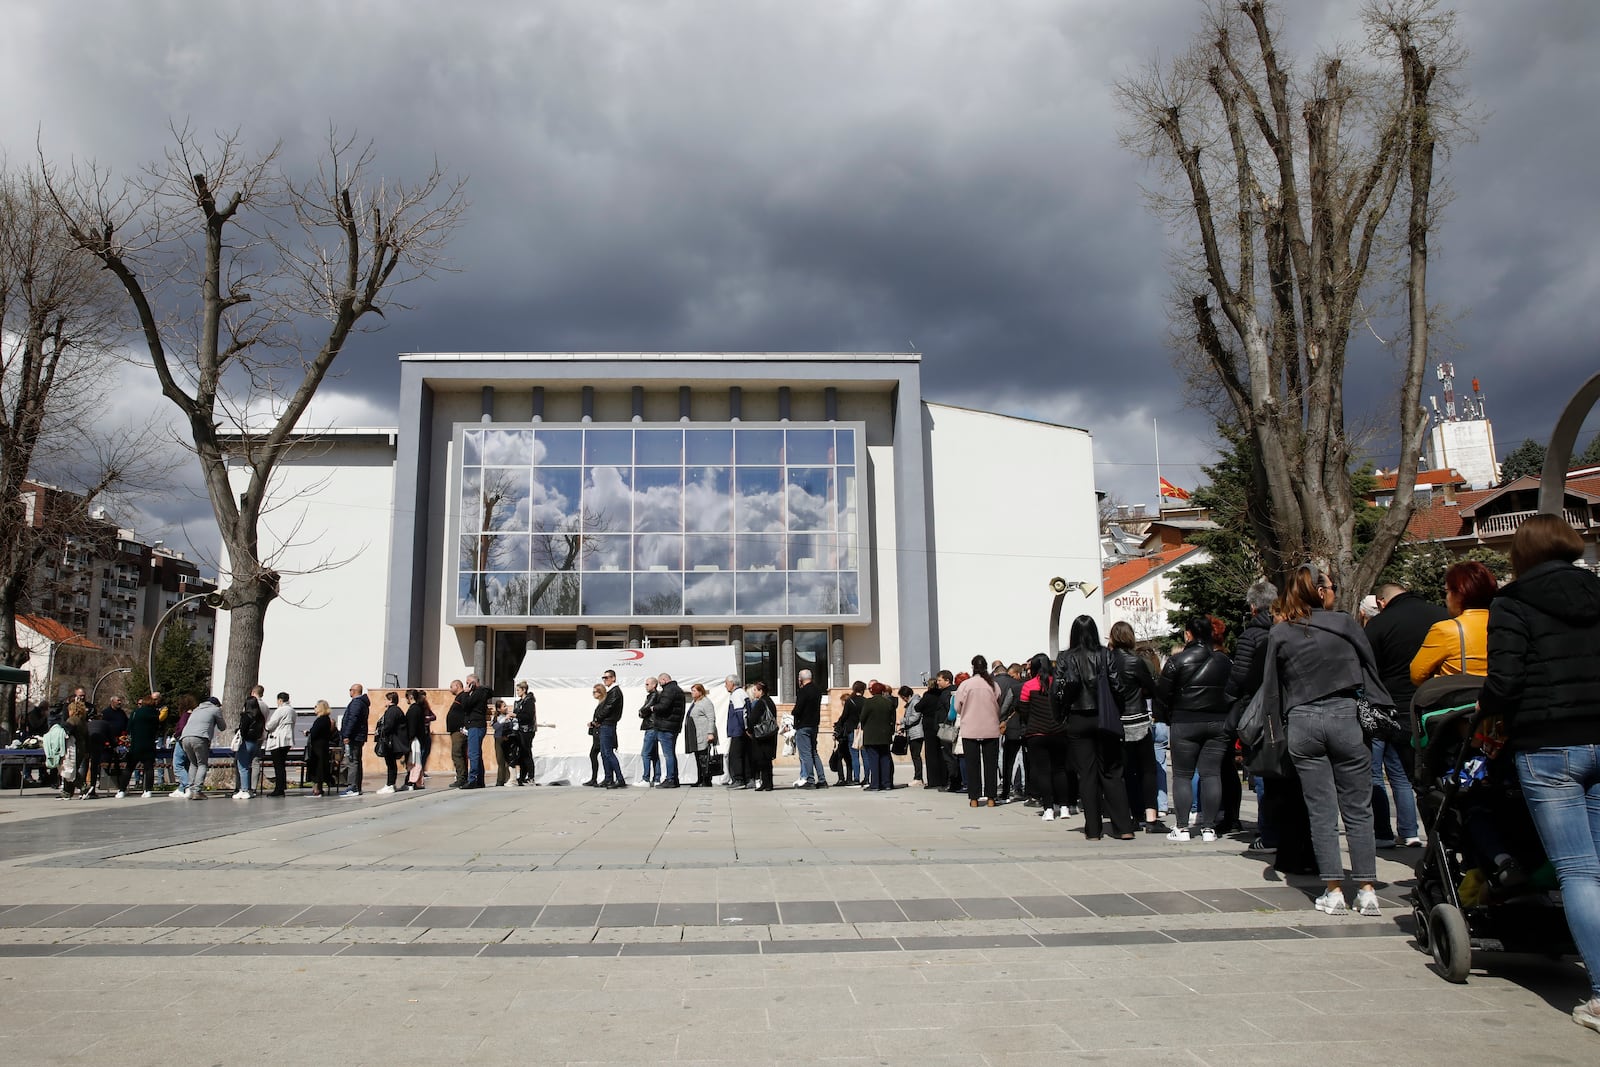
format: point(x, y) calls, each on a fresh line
point(700, 733)
point(203, 723)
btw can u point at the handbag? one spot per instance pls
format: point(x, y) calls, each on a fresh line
point(716, 763)
point(763, 725)
point(1109, 707)
point(899, 745)
point(1380, 722)
point(949, 732)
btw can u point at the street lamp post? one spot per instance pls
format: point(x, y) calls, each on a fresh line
point(1060, 586)
point(213, 599)
point(94, 693)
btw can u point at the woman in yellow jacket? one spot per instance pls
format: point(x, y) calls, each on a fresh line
point(1460, 644)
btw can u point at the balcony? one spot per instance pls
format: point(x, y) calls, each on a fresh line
point(1504, 525)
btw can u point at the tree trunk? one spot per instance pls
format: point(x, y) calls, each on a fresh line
point(247, 601)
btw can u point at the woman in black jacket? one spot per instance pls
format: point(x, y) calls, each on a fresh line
point(1138, 685)
point(418, 715)
point(319, 765)
point(397, 742)
point(1095, 754)
point(761, 750)
point(1192, 695)
point(1544, 672)
point(846, 760)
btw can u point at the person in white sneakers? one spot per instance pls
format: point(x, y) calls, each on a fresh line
point(1316, 660)
point(143, 725)
point(203, 722)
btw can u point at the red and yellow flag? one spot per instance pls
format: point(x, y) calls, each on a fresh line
point(1167, 489)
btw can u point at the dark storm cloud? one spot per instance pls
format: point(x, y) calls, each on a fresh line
point(775, 176)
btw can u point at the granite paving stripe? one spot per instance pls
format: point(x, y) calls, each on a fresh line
point(1360, 928)
point(871, 911)
point(1173, 903)
point(234, 948)
point(140, 915)
point(569, 915)
point(1231, 900)
point(23, 951)
point(388, 915)
point(686, 914)
point(517, 917)
point(1054, 907)
point(265, 915)
point(795, 912)
point(134, 950)
point(83, 915)
point(1284, 897)
point(931, 909)
point(204, 915)
point(30, 914)
point(534, 948)
point(629, 915)
point(844, 944)
point(1106, 905)
point(749, 913)
point(446, 917)
point(931, 943)
point(993, 908)
point(1104, 937)
point(412, 948)
point(326, 915)
point(1238, 933)
point(692, 948)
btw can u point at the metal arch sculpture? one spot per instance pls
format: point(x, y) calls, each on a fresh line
point(1553, 480)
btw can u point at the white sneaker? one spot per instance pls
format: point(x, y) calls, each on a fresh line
point(1048, 815)
point(386, 790)
point(351, 793)
point(1208, 835)
point(241, 795)
point(146, 795)
point(1181, 833)
point(179, 794)
point(120, 794)
point(1366, 902)
point(1333, 903)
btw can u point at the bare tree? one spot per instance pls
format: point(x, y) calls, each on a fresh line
point(57, 321)
point(1299, 190)
point(246, 284)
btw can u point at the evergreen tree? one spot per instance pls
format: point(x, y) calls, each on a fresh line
point(1217, 587)
point(1527, 458)
point(183, 665)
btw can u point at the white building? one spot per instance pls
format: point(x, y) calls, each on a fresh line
point(813, 510)
point(1139, 592)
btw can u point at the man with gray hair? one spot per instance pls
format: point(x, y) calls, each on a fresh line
point(737, 742)
point(807, 715)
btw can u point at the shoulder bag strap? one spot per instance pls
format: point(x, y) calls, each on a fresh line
point(1461, 632)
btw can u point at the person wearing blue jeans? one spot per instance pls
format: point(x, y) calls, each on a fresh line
point(1163, 737)
point(651, 754)
point(244, 761)
point(1386, 761)
point(608, 756)
point(812, 771)
point(1543, 639)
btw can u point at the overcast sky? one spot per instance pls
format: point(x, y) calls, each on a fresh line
point(772, 176)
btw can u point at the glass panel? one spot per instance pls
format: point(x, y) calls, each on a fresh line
point(506, 497)
point(758, 447)
point(760, 594)
point(847, 498)
point(708, 500)
point(558, 448)
point(467, 595)
point(501, 551)
point(467, 559)
point(606, 594)
point(658, 448)
point(471, 506)
point(607, 552)
point(813, 593)
point(849, 596)
point(761, 659)
point(556, 551)
point(813, 447)
point(708, 552)
point(471, 453)
point(847, 553)
point(556, 499)
point(507, 448)
point(811, 654)
point(658, 594)
point(845, 455)
point(761, 552)
point(553, 594)
point(608, 446)
point(658, 552)
point(606, 499)
point(503, 594)
point(708, 448)
point(813, 552)
point(810, 491)
point(658, 500)
point(708, 594)
point(759, 499)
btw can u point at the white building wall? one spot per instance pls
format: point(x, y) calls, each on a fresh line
point(995, 552)
point(1468, 446)
point(330, 513)
point(1144, 604)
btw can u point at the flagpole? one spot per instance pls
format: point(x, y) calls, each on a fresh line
point(1155, 429)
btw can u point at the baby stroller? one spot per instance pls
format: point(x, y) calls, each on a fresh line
point(1465, 799)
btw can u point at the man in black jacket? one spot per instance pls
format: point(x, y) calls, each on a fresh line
point(668, 724)
point(1395, 634)
point(525, 708)
point(650, 755)
point(458, 735)
point(353, 732)
point(606, 731)
point(807, 722)
point(475, 721)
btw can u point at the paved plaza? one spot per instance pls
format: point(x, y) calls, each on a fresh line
point(571, 925)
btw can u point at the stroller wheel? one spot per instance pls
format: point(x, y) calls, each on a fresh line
point(1419, 919)
point(1452, 947)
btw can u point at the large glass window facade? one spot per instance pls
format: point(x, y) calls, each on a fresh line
point(707, 521)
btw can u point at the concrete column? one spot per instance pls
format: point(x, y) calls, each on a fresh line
point(535, 639)
point(488, 404)
point(685, 636)
point(786, 665)
point(538, 403)
point(830, 404)
point(683, 403)
point(783, 403)
point(585, 636)
point(588, 403)
point(635, 636)
point(480, 653)
point(735, 402)
point(736, 639)
point(836, 670)
point(638, 403)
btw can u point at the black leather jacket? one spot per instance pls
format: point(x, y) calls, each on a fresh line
point(1193, 684)
point(668, 709)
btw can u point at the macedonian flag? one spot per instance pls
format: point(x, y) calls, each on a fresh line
point(1167, 489)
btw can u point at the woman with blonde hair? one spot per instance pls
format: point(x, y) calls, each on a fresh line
point(700, 733)
point(319, 764)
